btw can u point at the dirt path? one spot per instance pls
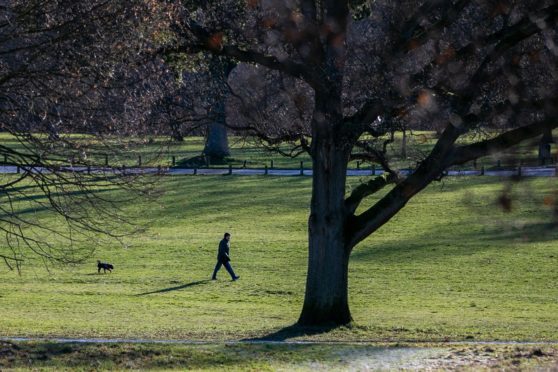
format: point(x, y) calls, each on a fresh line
point(280, 355)
point(268, 342)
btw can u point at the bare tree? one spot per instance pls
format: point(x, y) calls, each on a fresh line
point(70, 67)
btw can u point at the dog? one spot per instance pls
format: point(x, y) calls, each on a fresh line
point(104, 266)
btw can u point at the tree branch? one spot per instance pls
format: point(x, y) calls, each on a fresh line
point(380, 213)
point(213, 43)
point(360, 121)
point(293, 69)
point(511, 36)
point(413, 36)
point(467, 153)
point(369, 188)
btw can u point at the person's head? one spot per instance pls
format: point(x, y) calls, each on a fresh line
point(227, 236)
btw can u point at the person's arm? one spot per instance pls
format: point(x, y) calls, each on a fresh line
point(224, 249)
point(227, 251)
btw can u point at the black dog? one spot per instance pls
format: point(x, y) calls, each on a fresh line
point(104, 266)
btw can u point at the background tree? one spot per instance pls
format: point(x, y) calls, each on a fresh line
point(466, 65)
point(194, 104)
point(217, 144)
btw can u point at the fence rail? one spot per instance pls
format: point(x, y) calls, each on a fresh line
point(507, 168)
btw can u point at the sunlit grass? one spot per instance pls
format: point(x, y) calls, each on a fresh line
point(160, 151)
point(452, 265)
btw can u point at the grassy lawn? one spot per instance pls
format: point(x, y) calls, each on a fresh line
point(451, 266)
point(244, 151)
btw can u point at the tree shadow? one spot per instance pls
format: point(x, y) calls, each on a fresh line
point(40, 205)
point(496, 237)
point(170, 289)
point(292, 331)
point(193, 162)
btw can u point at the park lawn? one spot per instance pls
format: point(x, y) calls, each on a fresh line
point(156, 151)
point(159, 151)
point(452, 265)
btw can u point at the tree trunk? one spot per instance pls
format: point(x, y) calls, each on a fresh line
point(176, 134)
point(326, 297)
point(217, 143)
point(404, 145)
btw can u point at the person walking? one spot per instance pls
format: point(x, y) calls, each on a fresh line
point(224, 259)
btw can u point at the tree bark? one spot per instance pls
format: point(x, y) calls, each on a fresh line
point(217, 143)
point(326, 297)
point(176, 134)
point(404, 144)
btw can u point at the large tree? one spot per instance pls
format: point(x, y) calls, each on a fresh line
point(460, 64)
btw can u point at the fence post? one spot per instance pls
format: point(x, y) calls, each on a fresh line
point(195, 171)
point(5, 158)
point(271, 164)
point(173, 160)
point(358, 164)
point(88, 169)
point(244, 164)
point(106, 161)
point(302, 168)
point(139, 160)
point(482, 171)
point(498, 164)
point(475, 163)
point(230, 169)
point(265, 171)
point(373, 169)
point(519, 170)
point(18, 170)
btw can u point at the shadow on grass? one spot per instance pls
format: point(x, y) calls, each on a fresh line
point(179, 287)
point(293, 331)
point(122, 356)
point(497, 237)
point(40, 206)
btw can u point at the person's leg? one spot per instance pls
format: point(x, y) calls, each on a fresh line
point(230, 270)
point(217, 267)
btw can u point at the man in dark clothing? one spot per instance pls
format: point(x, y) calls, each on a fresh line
point(223, 258)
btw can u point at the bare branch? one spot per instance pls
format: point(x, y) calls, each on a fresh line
point(369, 188)
point(506, 140)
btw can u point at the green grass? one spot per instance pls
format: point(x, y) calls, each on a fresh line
point(159, 151)
point(451, 266)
